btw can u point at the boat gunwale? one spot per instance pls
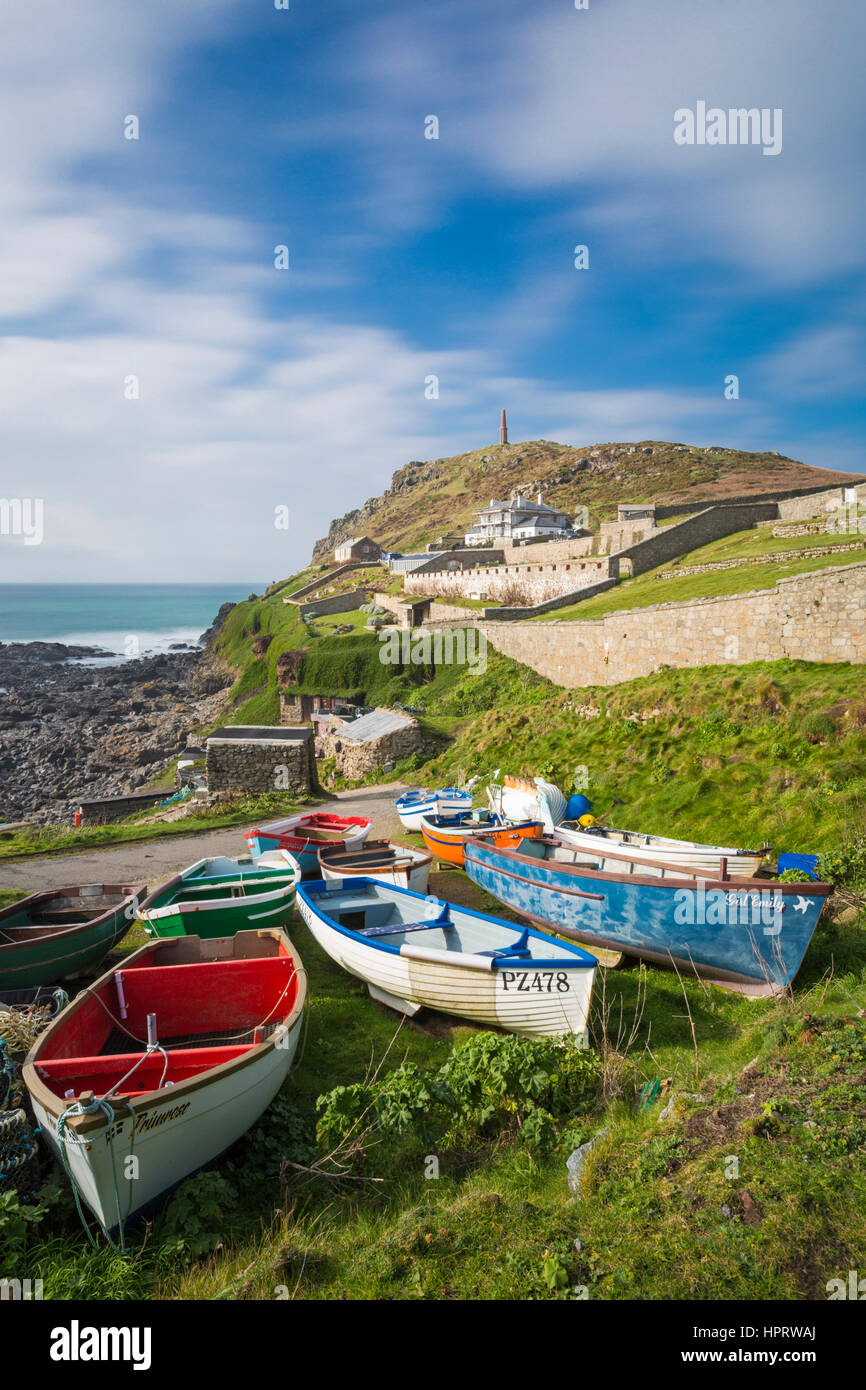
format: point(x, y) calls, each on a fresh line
point(55, 1105)
point(694, 846)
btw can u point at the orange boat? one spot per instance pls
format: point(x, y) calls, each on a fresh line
point(445, 836)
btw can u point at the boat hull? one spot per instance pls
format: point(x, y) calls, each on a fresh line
point(44, 960)
point(447, 842)
point(171, 1130)
point(400, 865)
point(200, 903)
point(529, 998)
point(445, 802)
point(210, 920)
point(749, 938)
point(171, 1139)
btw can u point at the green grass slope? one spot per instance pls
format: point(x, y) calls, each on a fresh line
point(739, 755)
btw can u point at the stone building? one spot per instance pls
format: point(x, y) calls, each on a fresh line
point(358, 548)
point(375, 740)
point(254, 759)
point(296, 708)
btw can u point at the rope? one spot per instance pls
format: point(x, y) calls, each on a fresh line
point(71, 1139)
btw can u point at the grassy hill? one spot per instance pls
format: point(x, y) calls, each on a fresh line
point(441, 496)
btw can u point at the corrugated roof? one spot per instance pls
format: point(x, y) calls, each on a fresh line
point(370, 726)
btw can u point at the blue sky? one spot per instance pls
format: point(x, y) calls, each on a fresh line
point(409, 257)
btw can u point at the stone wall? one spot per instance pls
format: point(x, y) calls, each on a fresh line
point(811, 617)
point(545, 551)
point(101, 810)
point(794, 496)
point(616, 535)
point(463, 558)
point(807, 552)
point(818, 504)
point(505, 614)
point(670, 542)
point(526, 583)
point(256, 759)
point(337, 603)
point(325, 579)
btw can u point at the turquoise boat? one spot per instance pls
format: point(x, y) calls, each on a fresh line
point(220, 896)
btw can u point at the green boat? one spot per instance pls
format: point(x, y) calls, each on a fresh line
point(221, 896)
point(61, 931)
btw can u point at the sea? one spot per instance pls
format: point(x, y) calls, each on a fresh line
point(125, 620)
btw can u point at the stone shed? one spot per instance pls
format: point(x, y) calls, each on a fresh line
point(253, 759)
point(375, 740)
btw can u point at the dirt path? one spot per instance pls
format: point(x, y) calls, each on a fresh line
point(153, 861)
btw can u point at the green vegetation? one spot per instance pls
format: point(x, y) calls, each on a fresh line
point(726, 754)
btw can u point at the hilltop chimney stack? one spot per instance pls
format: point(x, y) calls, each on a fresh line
point(503, 430)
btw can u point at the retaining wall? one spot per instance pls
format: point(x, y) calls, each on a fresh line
point(811, 617)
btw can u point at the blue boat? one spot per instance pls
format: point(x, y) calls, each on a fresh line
point(749, 935)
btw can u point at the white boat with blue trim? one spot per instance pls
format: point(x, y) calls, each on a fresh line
point(445, 801)
point(418, 952)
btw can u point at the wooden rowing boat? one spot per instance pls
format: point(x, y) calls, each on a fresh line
point(661, 849)
point(445, 836)
point(385, 860)
point(220, 896)
point(61, 931)
point(164, 1063)
point(304, 835)
point(749, 935)
point(445, 801)
point(414, 952)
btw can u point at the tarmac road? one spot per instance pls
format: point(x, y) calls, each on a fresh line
point(153, 861)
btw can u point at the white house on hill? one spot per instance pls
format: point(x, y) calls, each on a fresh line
point(517, 520)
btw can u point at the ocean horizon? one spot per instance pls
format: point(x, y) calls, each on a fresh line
point(125, 620)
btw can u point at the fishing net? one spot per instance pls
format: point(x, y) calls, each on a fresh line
point(19, 1157)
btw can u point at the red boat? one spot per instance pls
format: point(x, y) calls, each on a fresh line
point(304, 835)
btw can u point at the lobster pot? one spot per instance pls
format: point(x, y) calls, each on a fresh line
point(19, 1158)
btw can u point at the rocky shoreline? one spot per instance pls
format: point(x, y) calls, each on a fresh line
point(70, 730)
